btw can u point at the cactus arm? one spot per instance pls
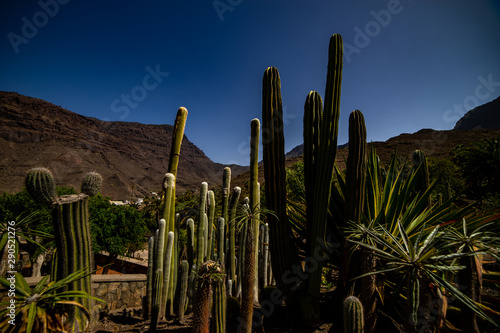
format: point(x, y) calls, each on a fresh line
point(235, 197)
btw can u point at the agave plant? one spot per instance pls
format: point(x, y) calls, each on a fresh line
point(473, 241)
point(415, 265)
point(44, 308)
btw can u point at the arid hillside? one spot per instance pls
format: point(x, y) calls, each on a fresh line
point(131, 157)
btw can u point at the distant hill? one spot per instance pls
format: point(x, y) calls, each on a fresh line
point(483, 116)
point(129, 156)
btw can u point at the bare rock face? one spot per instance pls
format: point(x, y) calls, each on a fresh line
point(486, 116)
point(131, 157)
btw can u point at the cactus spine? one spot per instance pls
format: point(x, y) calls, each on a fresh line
point(353, 315)
point(91, 184)
point(167, 262)
point(211, 220)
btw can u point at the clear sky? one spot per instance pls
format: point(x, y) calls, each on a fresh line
point(408, 64)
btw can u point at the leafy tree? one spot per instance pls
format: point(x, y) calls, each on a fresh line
point(480, 165)
point(118, 230)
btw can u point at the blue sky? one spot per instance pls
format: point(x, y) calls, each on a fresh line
point(408, 64)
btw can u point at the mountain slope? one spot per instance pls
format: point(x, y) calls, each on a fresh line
point(131, 157)
point(483, 116)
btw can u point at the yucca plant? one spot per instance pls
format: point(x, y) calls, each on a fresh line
point(45, 308)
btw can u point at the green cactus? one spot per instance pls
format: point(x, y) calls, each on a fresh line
point(39, 183)
point(91, 184)
point(221, 240)
point(155, 310)
point(219, 306)
point(353, 315)
point(211, 222)
point(167, 263)
point(356, 167)
point(71, 230)
point(150, 279)
point(200, 253)
point(231, 260)
point(190, 241)
point(183, 288)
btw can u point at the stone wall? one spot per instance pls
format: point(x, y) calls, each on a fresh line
point(120, 291)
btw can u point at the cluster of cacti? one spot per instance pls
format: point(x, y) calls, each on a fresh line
point(71, 226)
point(320, 143)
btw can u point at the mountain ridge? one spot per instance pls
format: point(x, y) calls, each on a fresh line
point(132, 157)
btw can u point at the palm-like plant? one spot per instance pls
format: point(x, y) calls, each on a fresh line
point(45, 308)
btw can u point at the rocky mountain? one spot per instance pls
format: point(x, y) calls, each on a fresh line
point(483, 116)
point(131, 157)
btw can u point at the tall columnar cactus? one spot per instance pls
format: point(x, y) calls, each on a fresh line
point(190, 241)
point(210, 224)
point(150, 279)
point(219, 305)
point(71, 227)
point(156, 301)
point(183, 288)
point(324, 166)
point(221, 240)
point(200, 255)
point(252, 229)
point(273, 141)
point(231, 260)
point(356, 167)
point(353, 315)
point(167, 263)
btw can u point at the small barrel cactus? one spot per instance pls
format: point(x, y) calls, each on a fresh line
point(353, 315)
point(39, 183)
point(91, 184)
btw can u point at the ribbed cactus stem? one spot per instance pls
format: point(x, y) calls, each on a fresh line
point(167, 263)
point(169, 201)
point(39, 183)
point(353, 315)
point(190, 241)
point(211, 222)
point(356, 167)
point(177, 136)
point(183, 288)
point(324, 168)
point(155, 310)
point(221, 240)
point(91, 184)
point(150, 279)
point(160, 245)
point(248, 281)
point(273, 142)
point(231, 260)
point(219, 306)
point(191, 287)
point(265, 253)
point(201, 222)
